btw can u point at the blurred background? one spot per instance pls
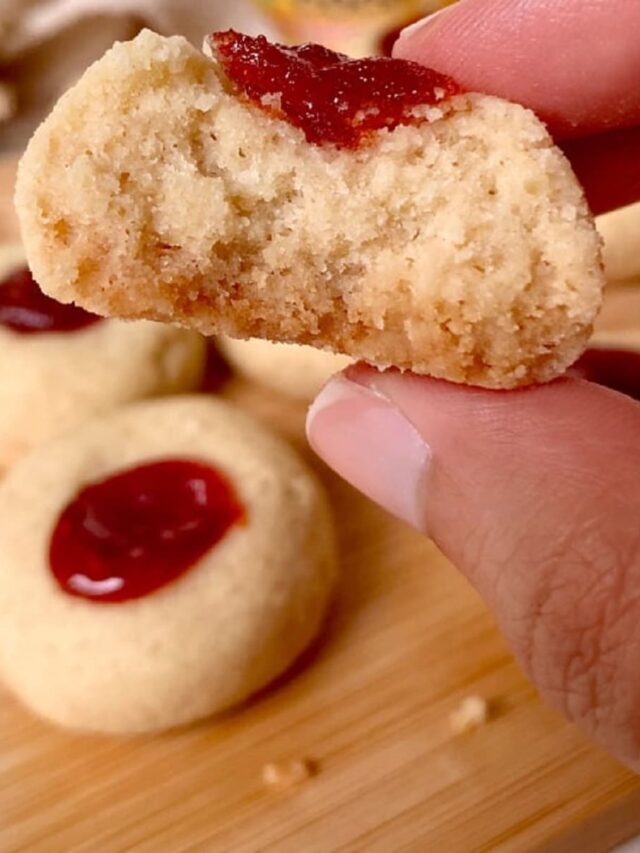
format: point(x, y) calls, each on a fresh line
point(46, 44)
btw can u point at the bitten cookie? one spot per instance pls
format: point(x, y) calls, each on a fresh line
point(365, 206)
point(158, 566)
point(297, 371)
point(60, 365)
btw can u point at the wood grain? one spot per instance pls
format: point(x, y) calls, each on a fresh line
point(406, 641)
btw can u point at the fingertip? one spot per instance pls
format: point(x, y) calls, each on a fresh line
point(368, 441)
point(541, 54)
point(411, 32)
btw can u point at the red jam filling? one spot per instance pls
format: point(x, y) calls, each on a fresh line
point(24, 308)
point(617, 369)
point(127, 536)
point(332, 98)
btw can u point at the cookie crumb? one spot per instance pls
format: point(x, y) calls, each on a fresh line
point(284, 775)
point(472, 713)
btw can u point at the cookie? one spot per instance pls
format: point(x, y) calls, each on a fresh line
point(621, 232)
point(137, 598)
point(297, 371)
point(52, 380)
point(390, 216)
point(617, 338)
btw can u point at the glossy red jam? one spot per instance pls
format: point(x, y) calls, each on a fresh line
point(618, 369)
point(127, 536)
point(24, 308)
point(333, 99)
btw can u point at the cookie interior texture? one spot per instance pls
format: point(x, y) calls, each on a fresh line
point(461, 248)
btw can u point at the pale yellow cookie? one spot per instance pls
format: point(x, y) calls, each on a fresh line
point(617, 338)
point(297, 371)
point(621, 232)
point(461, 246)
point(50, 382)
point(206, 641)
point(11, 258)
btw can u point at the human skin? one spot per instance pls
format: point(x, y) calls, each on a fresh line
point(533, 494)
point(576, 63)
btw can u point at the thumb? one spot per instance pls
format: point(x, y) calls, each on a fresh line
point(535, 496)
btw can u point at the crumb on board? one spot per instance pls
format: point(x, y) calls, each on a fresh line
point(284, 775)
point(472, 713)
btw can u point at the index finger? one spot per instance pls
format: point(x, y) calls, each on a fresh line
point(575, 63)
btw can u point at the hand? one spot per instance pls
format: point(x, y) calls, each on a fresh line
point(533, 494)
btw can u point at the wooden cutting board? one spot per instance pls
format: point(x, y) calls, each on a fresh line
point(407, 640)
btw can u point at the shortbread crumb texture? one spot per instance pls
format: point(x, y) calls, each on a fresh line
point(296, 371)
point(51, 382)
point(205, 642)
point(462, 248)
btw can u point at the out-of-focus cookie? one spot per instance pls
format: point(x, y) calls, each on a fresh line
point(60, 365)
point(620, 230)
point(11, 258)
point(297, 371)
point(158, 566)
point(367, 207)
point(621, 338)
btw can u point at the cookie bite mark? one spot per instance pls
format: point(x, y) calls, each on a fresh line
point(333, 99)
point(25, 309)
point(458, 245)
point(138, 530)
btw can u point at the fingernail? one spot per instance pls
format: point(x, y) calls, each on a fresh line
point(370, 443)
point(423, 23)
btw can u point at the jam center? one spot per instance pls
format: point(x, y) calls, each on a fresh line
point(126, 536)
point(24, 308)
point(332, 98)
